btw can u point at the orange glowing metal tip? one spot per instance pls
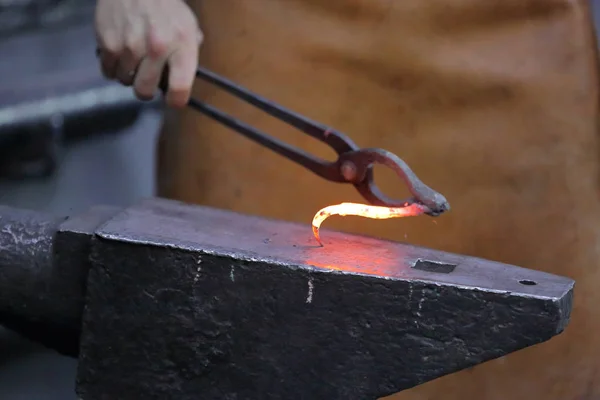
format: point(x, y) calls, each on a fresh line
point(366, 211)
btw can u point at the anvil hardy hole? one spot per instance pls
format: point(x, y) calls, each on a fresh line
point(527, 282)
point(433, 266)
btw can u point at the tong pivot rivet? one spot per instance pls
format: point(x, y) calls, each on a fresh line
point(348, 170)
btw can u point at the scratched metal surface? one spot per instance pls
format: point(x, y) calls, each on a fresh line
point(273, 241)
point(186, 270)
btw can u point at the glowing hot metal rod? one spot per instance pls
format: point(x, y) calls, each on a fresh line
point(366, 211)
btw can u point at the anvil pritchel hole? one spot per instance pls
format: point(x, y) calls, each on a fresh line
point(434, 266)
point(527, 282)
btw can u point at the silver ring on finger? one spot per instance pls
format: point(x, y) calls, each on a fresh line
point(126, 76)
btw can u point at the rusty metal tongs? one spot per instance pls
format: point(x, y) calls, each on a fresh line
point(354, 165)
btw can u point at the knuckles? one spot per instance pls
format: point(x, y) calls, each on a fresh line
point(134, 45)
point(157, 40)
point(111, 44)
point(162, 42)
point(185, 34)
point(158, 45)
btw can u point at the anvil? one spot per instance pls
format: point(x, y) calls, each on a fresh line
point(164, 300)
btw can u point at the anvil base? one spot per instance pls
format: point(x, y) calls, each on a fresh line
point(185, 302)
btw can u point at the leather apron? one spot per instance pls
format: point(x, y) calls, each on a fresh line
point(493, 103)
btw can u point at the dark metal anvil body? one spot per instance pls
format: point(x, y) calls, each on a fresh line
point(169, 301)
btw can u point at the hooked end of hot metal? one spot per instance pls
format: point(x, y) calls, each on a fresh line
point(316, 233)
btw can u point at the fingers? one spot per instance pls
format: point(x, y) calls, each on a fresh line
point(148, 77)
point(139, 39)
point(181, 64)
point(121, 62)
point(182, 71)
point(132, 54)
point(109, 51)
point(127, 66)
point(151, 68)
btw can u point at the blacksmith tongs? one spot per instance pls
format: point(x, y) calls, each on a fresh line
point(354, 165)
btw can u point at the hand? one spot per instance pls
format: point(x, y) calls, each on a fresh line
point(137, 39)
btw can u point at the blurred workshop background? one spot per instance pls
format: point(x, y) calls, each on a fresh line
point(68, 140)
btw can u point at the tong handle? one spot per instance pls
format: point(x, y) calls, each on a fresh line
point(324, 169)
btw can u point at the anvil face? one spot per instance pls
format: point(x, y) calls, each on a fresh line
point(187, 302)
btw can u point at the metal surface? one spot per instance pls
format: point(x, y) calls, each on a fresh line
point(44, 262)
point(215, 296)
point(354, 165)
point(184, 302)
